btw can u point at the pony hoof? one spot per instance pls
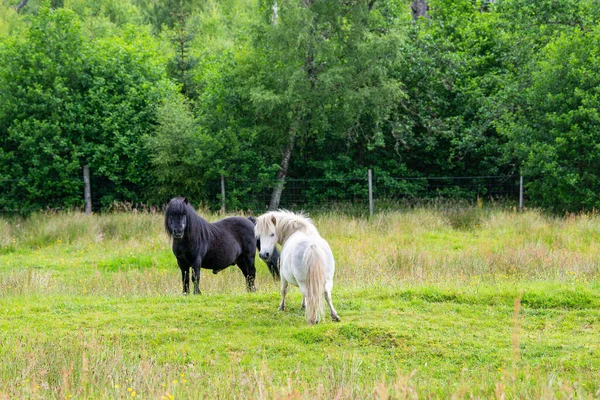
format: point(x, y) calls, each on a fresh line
point(335, 318)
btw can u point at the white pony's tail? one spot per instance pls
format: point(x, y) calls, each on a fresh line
point(314, 259)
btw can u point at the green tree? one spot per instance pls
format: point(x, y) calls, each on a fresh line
point(71, 101)
point(10, 23)
point(180, 66)
point(165, 13)
point(180, 153)
point(105, 18)
point(454, 74)
point(192, 149)
point(557, 131)
point(320, 69)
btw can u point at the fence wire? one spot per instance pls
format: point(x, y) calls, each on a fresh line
point(339, 194)
point(388, 192)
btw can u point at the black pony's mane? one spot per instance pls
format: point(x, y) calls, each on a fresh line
point(197, 227)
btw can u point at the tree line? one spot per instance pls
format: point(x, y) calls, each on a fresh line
point(162, 98)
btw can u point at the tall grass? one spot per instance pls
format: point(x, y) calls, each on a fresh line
point(430, 246)
point(392, 248)
point(7, 240)
point(91, 369)
point(41, 229)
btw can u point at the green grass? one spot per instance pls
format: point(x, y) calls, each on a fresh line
point(468, 303)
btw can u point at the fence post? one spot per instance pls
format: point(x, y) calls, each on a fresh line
point(87, 191)
point(521, 193)
point(222, 194)
point(371, 192)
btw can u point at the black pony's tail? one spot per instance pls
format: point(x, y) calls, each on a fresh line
point(273, 261)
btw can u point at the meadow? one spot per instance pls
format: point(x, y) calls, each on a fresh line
point(462, 303)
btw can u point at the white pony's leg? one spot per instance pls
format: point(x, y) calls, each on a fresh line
point(303, 306)
point(328, 290)
point(284, 289)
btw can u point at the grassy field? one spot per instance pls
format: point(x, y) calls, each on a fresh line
point(463, 303)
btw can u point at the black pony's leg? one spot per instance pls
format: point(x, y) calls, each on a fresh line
point(185, 279)
point(246, 264)
point(185, 276)
point(196, 277)
point(273, 263)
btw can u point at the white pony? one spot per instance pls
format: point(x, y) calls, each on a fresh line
point(306, 259)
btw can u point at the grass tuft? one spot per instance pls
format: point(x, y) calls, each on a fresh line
point(7, 240)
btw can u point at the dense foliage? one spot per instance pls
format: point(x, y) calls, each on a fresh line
point(162, 98)
point(69, 101)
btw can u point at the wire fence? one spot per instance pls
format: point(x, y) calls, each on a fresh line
point(450, 187)
point(255, 195)
point(355, 195)
point(386, 192)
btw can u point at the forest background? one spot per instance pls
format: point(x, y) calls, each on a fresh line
point(163, 97)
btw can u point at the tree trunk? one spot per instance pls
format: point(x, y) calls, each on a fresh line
point(419, 9)
point(485, 5)
point(275, 17)
point(22, 4)
point(282, 174)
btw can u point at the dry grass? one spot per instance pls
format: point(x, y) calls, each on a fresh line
point(393, 248)
point(424, 247)
point(7, 240)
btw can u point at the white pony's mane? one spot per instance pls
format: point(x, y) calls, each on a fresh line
point(285, 223)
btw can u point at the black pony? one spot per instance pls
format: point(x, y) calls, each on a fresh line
point(198, 243)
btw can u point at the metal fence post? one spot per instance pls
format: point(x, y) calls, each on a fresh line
point(521, 193)
point(87, 191)
point(222, 194)
point(371, 193)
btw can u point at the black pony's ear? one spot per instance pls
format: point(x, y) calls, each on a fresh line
point(185, 200)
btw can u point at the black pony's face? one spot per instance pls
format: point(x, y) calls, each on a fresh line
point(176, 217)
point(176, 225)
